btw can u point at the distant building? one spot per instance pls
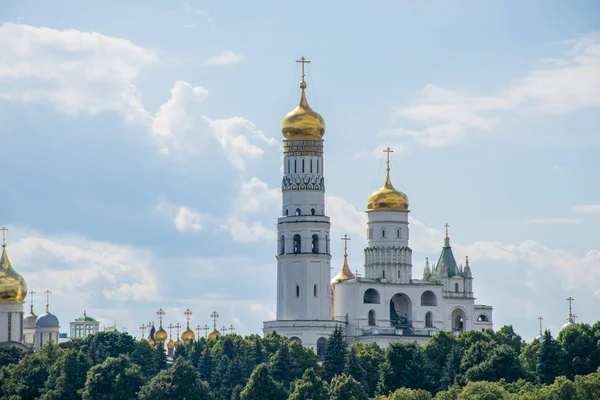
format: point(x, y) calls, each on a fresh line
point(84, 326)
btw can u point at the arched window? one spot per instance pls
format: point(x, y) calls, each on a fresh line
point(311, 165)
point(313, 211)
point(398, 233)
point(327, 243)
point(303, 165)
point(288, 170)
point(321, 348)
point(428, 298)
point(298, 211)
point(372, 318)
point(315, 244)
point(295, 339)
point(297, 244)
point(483, 318)
point(456, 287)
point(286, 212)
point(398, 274)
point(282, 245)
point(383, 273)
point(371, 296)
point(429, 320)
point(315, 290)
point(317, 166)
point(297, 291)
point(295, 166)
point(383, 233)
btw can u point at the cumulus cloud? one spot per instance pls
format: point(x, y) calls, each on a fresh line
point(249, 231)
point(590, 209)
point(226, 57)
point(554, 221)
point(448, 115)
point(184, 218)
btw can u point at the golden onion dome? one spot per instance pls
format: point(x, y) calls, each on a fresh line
point(214, 334)
point(302, 122)
point(345, 274)
point(188, 335)
point(13, 288)
point(171, 344)
point(161, 335)
point(178, 342)
point(387, 198)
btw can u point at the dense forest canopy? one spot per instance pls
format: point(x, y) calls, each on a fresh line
point(473, 365)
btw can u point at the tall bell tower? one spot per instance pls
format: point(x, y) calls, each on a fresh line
point(303, 255)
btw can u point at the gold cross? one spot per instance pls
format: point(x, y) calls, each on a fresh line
point(345, 239)
point(388, 151)
point(303, 61)
point(143, 328)
point(160, 314)
point(3, 229)
point(570, 300)
point(47, 300)
point(540, 319)
point(446, 226)
point(214, 316)
point(31, 294)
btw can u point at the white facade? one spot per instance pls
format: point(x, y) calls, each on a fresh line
point(11, 325)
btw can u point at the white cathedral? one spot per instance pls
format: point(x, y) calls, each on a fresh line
point(387, 305)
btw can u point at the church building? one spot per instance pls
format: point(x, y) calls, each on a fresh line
point(387, 304)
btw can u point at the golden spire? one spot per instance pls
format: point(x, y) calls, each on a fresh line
point(160, 335)
point(3, 229)
point(47, 292)
point(188, 334)
point(302, 122)
point(214, 333)
point(345, 273)
point(540, 319)
point(387, 198)
point(570, 300)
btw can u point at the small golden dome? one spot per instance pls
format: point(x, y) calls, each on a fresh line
point(161, 335)
point(188, 335)
point(13, 288)
point(387, 198)
point(302, 122)
point(171, 344)
point(178, 342)
point(214, 334)
point(345, 274)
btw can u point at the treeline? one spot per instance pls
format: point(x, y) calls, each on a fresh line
point(474, 365)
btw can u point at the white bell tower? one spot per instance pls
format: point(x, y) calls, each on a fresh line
point(303, 255)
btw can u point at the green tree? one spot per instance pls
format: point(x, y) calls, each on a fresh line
point(354, 367)
point(180, 381)
point(588, 386)
point(410, 394)
point(561, 389)
point(344, 387)
point(502, 363)
point(149, 358)
point(115, 379)
point(10, 355)
point(436, 352)
point(261, 386)
point(28, 377)
point(67, 376)
point(335, 354)
point(371, 357)
point(281, 367)
point(205, 365)
point(302, 357)
point(547, 365)
point(482, 391)
point(403, 367)
point(309, 387)
point(506, 335)
point(100, 346)
point(529, 358)
point(451, 373)
point(580, 352)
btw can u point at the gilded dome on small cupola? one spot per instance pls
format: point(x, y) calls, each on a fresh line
point(303, 122)
point(387, 198)
point(13, 287)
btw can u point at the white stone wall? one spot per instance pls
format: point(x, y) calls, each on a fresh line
point(11, 322)
point(44, 335)
point(307, 332)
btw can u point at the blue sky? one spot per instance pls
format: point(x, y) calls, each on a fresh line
point(141, 147)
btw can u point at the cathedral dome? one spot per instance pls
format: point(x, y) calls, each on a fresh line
point(387, 198)
point(13, 288)
point(47, 320)
point(302, 122)
point(569, 323)
point(160, 335)
point(345, 274)
point(214, 334)
point(29, 320)
point(187, 335)
point(171, 344)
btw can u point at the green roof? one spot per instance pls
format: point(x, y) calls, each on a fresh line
point(85, 318)
point(447, 258)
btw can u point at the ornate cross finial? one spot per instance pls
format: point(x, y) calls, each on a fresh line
point(160, 314)
point(31, 294)
point(224, 329)
point(356, 274)
point(231, 328)
point(345, 239)
point(205, 329)
point(388, 151)
point(47, 292)
point(143, 329)
point(198, 330)
point(214, 316)
point(446, 226)
point(188, 316)
point(303, 61)
point(177, 327)
point(570, 300)
point(170, 327)
point(540, 319)
point(4, 229)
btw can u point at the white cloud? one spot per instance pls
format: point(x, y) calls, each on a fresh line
point(556, 221)
point(78, 72)
point(345, 218)
point(447, 116)
point(184, 218)
point(255, 196)
point(226, 57)
point(249, 231)
point(590, 209)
